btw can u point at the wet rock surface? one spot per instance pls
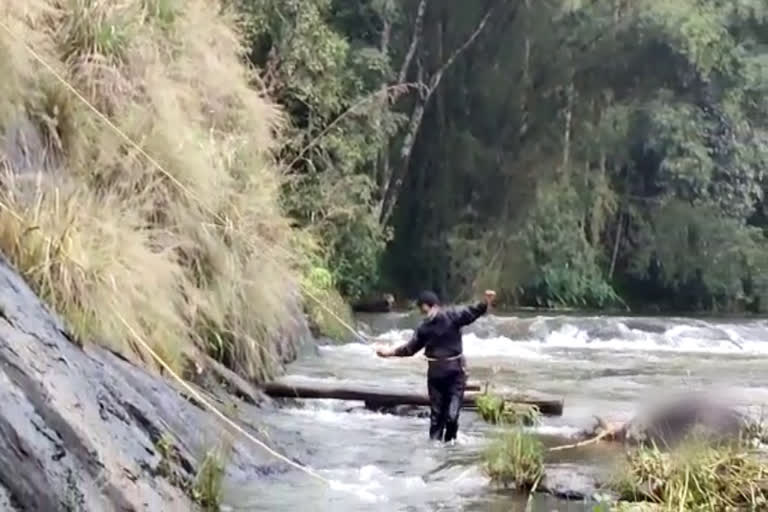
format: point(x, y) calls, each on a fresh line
point(79, 428)
point(570, 482)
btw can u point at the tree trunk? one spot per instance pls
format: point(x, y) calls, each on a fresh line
point(418, 30)
point(525, 82)
point(567, 129)
point(616, 244)
point(417, 115)
point(381, 173)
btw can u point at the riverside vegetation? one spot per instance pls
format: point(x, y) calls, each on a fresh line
point(304, 151)
point(189, 259)
point(571, 153)
point(699, 474)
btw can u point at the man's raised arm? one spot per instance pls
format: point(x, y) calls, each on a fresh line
point(466, 315)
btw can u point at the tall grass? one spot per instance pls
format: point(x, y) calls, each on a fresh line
point(329, 315)
point(697, 476)
point(515, 459)
point(104, 233)
point(496, 410)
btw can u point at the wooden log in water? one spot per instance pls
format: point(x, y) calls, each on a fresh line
point(376, 398)
point(474, 386)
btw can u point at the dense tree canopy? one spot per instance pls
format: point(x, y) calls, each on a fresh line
point(573, 152)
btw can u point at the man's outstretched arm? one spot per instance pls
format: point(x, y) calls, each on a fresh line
point(415, 344)
point(466, 315)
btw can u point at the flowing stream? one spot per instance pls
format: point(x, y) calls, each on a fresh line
point(604, 366)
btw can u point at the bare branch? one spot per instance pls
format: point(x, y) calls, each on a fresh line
point(437, 77)
point(418, 29)
point(390, 92)
point(417, 116)
point(386, 36)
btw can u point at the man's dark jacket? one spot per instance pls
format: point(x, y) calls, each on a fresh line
point(440, 337)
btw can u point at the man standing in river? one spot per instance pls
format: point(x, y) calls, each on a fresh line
point(439, 334)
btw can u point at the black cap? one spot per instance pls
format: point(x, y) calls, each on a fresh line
point(429, 298)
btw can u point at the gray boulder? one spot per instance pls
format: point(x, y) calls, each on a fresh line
point(80, 428)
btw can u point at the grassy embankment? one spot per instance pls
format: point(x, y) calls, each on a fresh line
point(103, 233)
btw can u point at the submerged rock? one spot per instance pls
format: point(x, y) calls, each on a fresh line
point(80, 428)
point(570, 482)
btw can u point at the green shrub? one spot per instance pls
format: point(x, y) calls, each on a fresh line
point(325, 307)
point(207, 488)
point(495, 410)
point(515, 459)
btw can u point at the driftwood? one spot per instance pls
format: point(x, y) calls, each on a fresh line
point(377, 398)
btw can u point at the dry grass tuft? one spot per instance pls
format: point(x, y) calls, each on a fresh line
point(100, 225)
point(696, 477)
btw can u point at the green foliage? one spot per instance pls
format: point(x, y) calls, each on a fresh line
point(515, 459)
point(320, 293)
point(497, 411)
point(565, 265)
point(568, 198)
point(207, 489)
point(696, 251)
point(625, 126)
point(331, 86)
point(164, 447)
point(88, 28)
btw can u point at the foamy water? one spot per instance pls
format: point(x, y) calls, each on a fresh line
point(545, 333)
point(601, 366)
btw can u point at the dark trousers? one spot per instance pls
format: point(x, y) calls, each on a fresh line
point(446, 395)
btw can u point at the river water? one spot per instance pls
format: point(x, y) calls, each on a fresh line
point(604, 366)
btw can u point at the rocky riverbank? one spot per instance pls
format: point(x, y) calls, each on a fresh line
point(81, 428)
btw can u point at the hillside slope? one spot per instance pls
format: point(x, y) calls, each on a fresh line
point(181, 234)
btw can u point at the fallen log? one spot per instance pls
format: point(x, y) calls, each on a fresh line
point(377, 398)
point(474, 386)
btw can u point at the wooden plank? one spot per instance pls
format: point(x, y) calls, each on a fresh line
point(322, 389)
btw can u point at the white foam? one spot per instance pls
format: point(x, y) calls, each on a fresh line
point(679, 338)
point(395, 335)
point(350, 348)
point(698, 338)
point(332, 413)
point(357, 490)
point(463, 439)
point(500, 346)
point(474, 346)
point(370, 483)
point(560, 431)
